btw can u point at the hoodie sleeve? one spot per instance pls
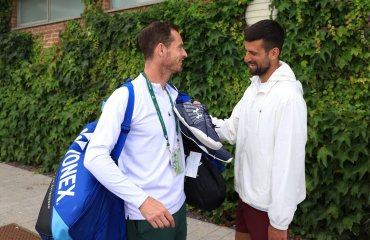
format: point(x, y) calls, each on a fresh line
point(288, 170)
point(227, 129)
point(98, 160)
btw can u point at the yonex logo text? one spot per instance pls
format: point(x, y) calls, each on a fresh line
point(67, 181)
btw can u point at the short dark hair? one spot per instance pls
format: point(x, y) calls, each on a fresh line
point(269, 31)
point(153, 34)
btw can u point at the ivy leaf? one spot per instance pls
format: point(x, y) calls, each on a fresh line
point(342, 137)
point(342, 157)
point(355, 51)
point(347, 223)
point(342, 31)
point(213, 38)
point(342, 187)
point(322, 155)
point(340, 62)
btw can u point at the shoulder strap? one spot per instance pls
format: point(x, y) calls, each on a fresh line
point(125, 126)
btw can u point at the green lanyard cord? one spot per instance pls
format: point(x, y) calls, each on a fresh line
point(155, 102)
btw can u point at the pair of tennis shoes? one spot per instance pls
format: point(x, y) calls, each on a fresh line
point(196, 125)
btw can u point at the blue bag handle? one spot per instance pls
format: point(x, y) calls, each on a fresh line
point(125, 126)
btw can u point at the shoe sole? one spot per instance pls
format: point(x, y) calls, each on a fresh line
point(205, 149)
point(201, 136)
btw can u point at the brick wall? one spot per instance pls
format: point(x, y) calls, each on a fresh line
point(13, 21)
point(50, 31)
point(106, 5)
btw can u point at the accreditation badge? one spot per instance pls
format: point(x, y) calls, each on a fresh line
point(176, 163)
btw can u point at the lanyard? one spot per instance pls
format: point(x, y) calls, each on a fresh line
point(155, 102)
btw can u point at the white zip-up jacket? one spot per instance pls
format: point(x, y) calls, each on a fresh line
point(144, 164)
point(269, 127)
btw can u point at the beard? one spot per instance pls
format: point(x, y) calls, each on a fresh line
point(259, 70)
point(174, 66)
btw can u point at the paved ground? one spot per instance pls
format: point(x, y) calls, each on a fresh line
point(22, 191)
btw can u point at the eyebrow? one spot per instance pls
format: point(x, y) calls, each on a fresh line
point(252, 52)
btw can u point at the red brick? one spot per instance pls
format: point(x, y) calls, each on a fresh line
point(106, 5)
point(49, 32)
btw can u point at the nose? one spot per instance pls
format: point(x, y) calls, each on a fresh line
point(185, 54)
point(247, 57)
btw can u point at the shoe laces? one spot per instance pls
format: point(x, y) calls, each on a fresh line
point(206, 116)
point(207, 119)
point(199, 113)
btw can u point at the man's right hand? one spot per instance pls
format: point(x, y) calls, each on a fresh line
point(156, 214)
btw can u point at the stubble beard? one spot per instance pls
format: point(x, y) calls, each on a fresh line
point(259, 70)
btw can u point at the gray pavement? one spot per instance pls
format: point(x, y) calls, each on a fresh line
point(22, 192)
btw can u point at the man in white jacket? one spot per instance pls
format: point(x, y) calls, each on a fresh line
point(269, 127)
point(150, 172)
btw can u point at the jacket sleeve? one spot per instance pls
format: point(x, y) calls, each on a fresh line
point(227, 129)
point(288, 166)
point(98, 160)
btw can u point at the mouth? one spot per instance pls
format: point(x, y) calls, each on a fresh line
point(251, 64)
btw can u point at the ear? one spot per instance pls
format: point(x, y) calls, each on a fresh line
point(159, 50)
point(274, 53)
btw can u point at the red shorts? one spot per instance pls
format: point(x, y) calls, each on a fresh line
point(252, 221)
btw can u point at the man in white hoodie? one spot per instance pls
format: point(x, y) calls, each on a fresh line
point(269, 127)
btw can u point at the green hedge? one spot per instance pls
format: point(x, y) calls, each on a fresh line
point(327, 48)
point(47, 95)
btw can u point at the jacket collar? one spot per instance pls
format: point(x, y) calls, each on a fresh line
point(283, 73)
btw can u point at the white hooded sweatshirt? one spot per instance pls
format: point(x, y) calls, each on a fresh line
point(269, 128)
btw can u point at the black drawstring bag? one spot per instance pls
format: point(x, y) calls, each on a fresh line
point(208, 190)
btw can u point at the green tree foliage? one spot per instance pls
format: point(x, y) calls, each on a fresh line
point(47, 95)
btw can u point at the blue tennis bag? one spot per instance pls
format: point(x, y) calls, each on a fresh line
point(76, 206)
